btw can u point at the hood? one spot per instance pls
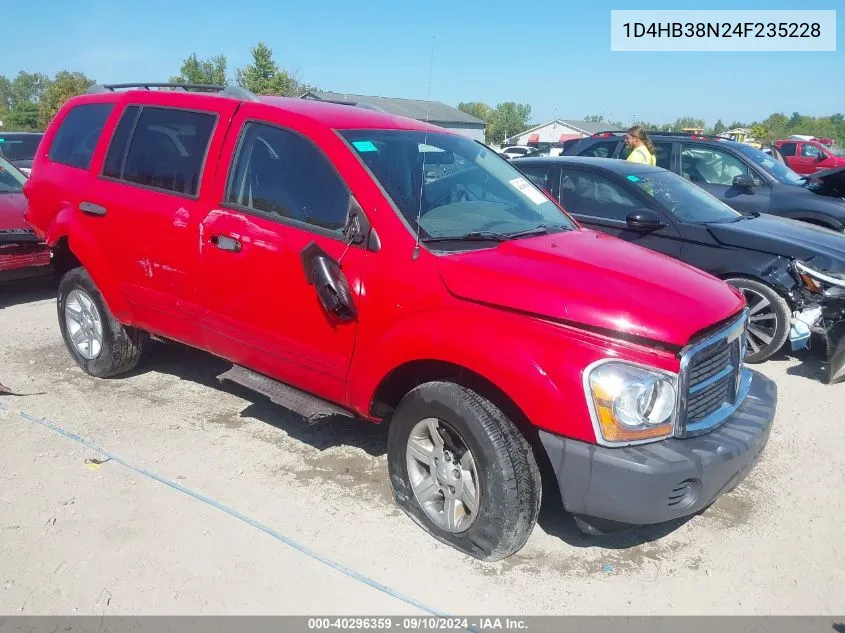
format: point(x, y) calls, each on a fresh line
point(595, 280)
point(829, 182)
point(781, 236)
point(12, 207)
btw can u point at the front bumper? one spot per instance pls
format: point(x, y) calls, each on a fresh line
point(665, 480)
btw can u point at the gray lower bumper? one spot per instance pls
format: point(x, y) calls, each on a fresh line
point(657, 482)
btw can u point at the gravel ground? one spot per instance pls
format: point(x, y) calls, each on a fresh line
point(317, 530)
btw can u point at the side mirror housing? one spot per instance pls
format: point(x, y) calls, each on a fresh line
point(333, 291)
point(645, 220)
point(744, 181)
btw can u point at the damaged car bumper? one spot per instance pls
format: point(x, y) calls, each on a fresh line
point(826, 318)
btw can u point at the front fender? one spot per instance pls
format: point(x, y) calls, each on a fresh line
point(537, 364)
point(815, 217)
point(85, 248)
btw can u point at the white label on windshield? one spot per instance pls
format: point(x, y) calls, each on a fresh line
point(528, 191)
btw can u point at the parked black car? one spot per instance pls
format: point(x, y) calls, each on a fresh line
point(740, 175)
point(791, 273)
point(19, 148)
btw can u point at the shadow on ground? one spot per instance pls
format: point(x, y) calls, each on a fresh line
point(337, 431)
point(26, 291)
point(810, 363)
point(201, 367)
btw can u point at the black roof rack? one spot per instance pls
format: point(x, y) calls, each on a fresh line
point(236, 92)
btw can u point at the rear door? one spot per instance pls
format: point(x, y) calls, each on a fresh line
point(277, 198)
point(146, 200)
point(714, 168)
point(601, 203)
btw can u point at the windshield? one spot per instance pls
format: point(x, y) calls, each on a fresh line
point(456, 186)
point(19, 146)
point(781, 172)
point(11, 180)
point(686, 201)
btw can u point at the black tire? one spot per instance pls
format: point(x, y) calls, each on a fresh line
point(759, 330)
point(510, 487)
point(121, 346)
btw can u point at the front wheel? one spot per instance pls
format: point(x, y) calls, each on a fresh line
point(462, 471)
point(768, 319)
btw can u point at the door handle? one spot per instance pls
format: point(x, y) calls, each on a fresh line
point(89, 208)
point(226, 243)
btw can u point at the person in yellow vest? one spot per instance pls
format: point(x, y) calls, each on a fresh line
point(642, 149)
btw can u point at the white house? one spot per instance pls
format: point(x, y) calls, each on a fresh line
point(557, 131)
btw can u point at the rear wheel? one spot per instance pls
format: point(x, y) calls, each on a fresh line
point(462, 471)
point(98, 342)
point(769, 318)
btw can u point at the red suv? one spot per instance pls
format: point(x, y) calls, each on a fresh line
point(808, 157)
point(349, 261)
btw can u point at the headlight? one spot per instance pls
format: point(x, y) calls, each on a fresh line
point(815, 280)
point(630, 403)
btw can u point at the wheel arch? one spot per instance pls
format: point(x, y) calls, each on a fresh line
point(402, 379)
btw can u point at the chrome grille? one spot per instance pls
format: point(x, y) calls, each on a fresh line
point(711, 379)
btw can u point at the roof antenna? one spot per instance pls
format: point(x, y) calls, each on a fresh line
point(425, 144)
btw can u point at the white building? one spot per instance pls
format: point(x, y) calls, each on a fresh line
point(556, 131)
point(433, 112)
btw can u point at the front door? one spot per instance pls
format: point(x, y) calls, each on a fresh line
point(282, 199)
point(714, 169)
point(604, 205)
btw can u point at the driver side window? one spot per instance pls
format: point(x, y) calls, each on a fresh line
point(281, 174)
point(708, 165)
point(590, 194)
point(810, 151)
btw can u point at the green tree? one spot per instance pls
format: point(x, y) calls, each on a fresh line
point(594, 118)
point(264, 77)
point(65, 85)
point(27, 88)
point(507, 119)
point(719, 127)
point(687, 122)
point(23, 118)
point(202, 71)
point(477, 109)
point(759, 132)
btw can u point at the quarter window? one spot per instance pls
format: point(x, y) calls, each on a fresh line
point(167, 149)
point(281, 174)
point(708, 165)
point(78, 134)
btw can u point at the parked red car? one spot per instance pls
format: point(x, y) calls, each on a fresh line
point(308, 243)
point(807, 157)
point(22, 253)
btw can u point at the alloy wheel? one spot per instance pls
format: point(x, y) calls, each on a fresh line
point(84, 324)
point(443, 475)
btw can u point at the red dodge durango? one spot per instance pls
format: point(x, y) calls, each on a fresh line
point(350, 262)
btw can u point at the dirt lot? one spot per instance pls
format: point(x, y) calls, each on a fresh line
point(291, 518)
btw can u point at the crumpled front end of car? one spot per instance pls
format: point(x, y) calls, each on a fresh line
point(822, 285)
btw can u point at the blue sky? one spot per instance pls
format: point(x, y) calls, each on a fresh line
point(553, 55)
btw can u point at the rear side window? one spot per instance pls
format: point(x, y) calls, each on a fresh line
point(116, 157)
point(283, 175)
point(788, 149)
point(78, 134)
point(602, 149)
point(166, 150)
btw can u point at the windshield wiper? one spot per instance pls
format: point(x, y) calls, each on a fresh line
point(537, 230)
point(749, 215)
point(474, 236)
